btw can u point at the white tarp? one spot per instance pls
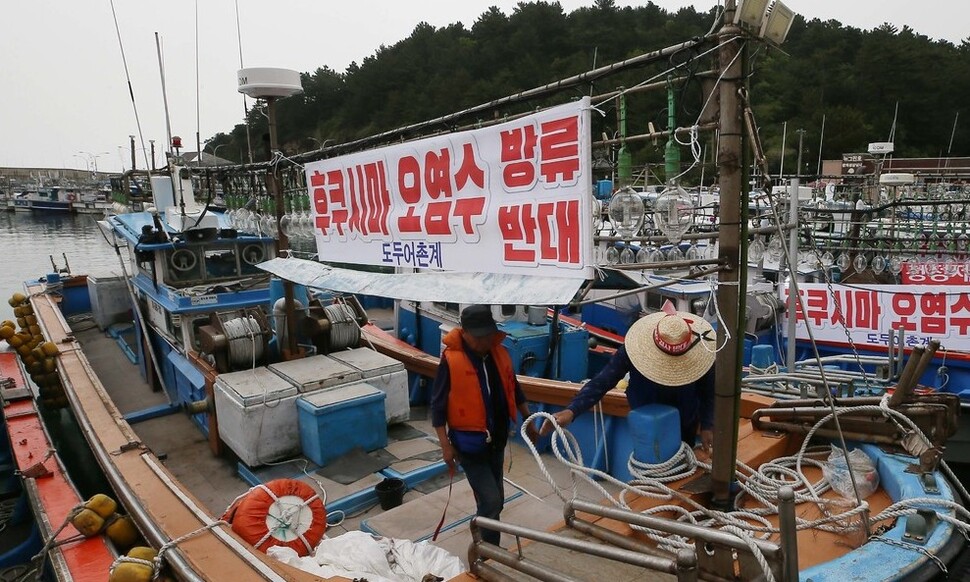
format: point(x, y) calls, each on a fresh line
point(513, 198)
point(359, 555)
point(487, 288)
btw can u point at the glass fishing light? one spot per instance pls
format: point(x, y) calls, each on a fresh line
point(859, 263)
point(675, 254)
point(844, 261)
point(674, 212)
point(643, 256)
point(828, 259)
point(597, 215)
point(612, 255)
point(878, 264)
point(896, 265)
point(775, 249)
point(626, 212)
point(627, 256)
point(756, 250)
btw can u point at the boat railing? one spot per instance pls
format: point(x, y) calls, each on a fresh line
point(715, 551)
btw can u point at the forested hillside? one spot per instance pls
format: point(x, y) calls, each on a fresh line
point(855, 79)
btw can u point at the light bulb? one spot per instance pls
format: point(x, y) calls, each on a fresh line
point(844, 261)
point(756, 251)
point(626, 256)
point(878, 264)
point(827, 259)
point(860, 263)
point(612, 256)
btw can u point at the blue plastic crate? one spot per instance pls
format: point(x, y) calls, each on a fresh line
point(337, 420)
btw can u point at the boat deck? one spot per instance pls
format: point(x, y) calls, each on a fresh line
point(216, 481)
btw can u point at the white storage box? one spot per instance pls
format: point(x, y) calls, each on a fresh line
point(384, 373)
point(315, 373)
point(257, 415)
point(110, 301)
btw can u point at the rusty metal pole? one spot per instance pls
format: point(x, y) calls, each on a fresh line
point(727, 392)
point(290, 350)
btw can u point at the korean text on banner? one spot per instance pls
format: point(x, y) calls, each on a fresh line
point(871, 314)
point(510, 198)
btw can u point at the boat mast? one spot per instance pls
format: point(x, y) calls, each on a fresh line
point(733, 230)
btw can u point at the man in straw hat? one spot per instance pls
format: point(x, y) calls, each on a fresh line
point(669, 356)
point(473, 406)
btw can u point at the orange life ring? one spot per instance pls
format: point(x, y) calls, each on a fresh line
point(283, 512)
point(70, 197)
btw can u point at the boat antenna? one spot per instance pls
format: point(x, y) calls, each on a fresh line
point(161, 73)
point(198, 105)
point(131, 92)
point(821, 139)
point(249, 139)
point(892, 129)
point(953, 132)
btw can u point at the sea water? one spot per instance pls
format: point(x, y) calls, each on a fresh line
point(29, 240)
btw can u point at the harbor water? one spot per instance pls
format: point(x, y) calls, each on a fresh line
point(28, 241)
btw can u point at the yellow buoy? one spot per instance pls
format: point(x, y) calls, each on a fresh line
point(131, 572)
point(35, 330)
point(38, 354)
point(142, 553)
point(31, 319)
point(24, 351)
point(7, 323)
point(50, 348)
point(15, 340)
point(88, 522)
point(102, 505)
point(49, 365)
point(22, 322)
point(16, 299)
point(122, 531)
point(35, 368)
point(7, 332)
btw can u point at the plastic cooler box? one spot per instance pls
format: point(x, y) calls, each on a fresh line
point(384, 373)
point(315, 373)
point(655, 432)
point(257, 415)
point(335, 421)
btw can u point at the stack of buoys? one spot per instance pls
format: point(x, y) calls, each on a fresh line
point(283, 512)
point(99, 515)
point(38, 356)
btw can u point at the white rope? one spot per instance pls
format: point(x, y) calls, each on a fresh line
point(762, 485)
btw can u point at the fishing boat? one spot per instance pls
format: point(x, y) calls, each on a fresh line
point(250, 372)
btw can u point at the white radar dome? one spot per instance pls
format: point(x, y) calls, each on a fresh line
point(257, 82)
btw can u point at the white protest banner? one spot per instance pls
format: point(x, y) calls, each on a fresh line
point(874, 312)
point(509, 198)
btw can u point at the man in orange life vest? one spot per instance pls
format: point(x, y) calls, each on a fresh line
point(473, 407)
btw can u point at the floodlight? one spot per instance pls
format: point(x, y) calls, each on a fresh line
point(775, 28)
point(750, 13)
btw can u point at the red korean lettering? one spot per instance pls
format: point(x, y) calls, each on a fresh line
point(467, 209)
point(355, 216)
point(817, 305)
point(842, 307)
point(469, 169)
point(904, 307)
point(559, 150)
point(321, 207)
point(436, 217)
point(960, 304)
point(437, 174)
point(867, 309)
point(933, 310)
point(518, 229)
point(518, 157)
point(567, 225)
point(409, 185)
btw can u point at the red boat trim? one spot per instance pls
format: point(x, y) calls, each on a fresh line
point(88, 559)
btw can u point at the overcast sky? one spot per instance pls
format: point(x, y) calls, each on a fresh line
point(63, 82)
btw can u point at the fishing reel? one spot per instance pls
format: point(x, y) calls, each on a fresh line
point(335, 324)
point(237, 339)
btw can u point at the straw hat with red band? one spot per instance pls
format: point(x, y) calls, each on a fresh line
point(671, 347)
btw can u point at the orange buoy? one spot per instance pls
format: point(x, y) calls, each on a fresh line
point(283, 512)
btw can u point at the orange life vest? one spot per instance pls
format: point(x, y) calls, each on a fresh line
point(466, 405)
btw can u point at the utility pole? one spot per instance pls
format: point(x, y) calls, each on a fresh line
point(793, 261)
point(732, 249)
